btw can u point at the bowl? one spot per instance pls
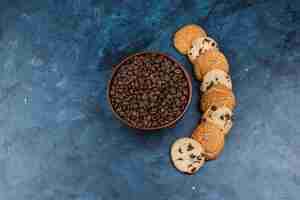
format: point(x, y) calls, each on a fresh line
point(147, 80)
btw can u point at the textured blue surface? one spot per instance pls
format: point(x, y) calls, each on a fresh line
point(59, 140)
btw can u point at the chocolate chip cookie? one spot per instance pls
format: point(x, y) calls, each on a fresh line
point(215, 77)
point(187, 155)
point(200, 46)
point(212, 59)
point(211, 138)
point(222, 117)
point(218, 95)
point(184, 37)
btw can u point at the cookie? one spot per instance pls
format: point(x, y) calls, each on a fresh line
point(215, 77)
point(221, 117)
point(187, 155)
point(184, 37)
point(200, 46)
point(211, 138)
point(212, 59)
point(218, 95)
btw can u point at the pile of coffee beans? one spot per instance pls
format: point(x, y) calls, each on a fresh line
point(149, 91)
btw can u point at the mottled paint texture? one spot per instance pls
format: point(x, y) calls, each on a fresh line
point(60, 141)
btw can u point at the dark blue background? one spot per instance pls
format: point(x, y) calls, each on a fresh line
point(60, 141)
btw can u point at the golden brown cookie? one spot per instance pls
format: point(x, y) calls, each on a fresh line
point(211, 138)
point(218, 95)
point(187, 155)
point(212, 59)
point(215, 77)
point(200, 46)
point(184, 37)
point(222, 117)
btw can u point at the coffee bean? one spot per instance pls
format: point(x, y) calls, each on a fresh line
point(178, 71)
point(173, 91)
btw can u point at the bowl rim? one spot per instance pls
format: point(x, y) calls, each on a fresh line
point(167, 125)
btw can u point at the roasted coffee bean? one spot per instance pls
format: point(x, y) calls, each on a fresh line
point(178, 71)
point(173, 91)
point(149, 91)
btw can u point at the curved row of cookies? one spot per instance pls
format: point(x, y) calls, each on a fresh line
point(217, 101)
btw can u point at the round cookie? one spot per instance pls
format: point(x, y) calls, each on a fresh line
point(211, 138)
point(184, 37)
point(215, 77)
point(212, 59)
point(221, 117)
point(218, 95)
point(200, 46)
point(187, 155)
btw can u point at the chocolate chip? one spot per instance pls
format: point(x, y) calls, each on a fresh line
point(192, 156)
point(201, 49)
point(190, 147)
point(180, 150)
point(210, 85)
point(203, 119)
point(193, 169)
point(214, 108)
point(227, 116)
point(199, 157)
point(222, 117)
point(180, 159)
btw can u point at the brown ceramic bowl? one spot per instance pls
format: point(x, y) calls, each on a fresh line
point(169, 124)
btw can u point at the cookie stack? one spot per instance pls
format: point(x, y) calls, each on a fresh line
point(217, 102)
